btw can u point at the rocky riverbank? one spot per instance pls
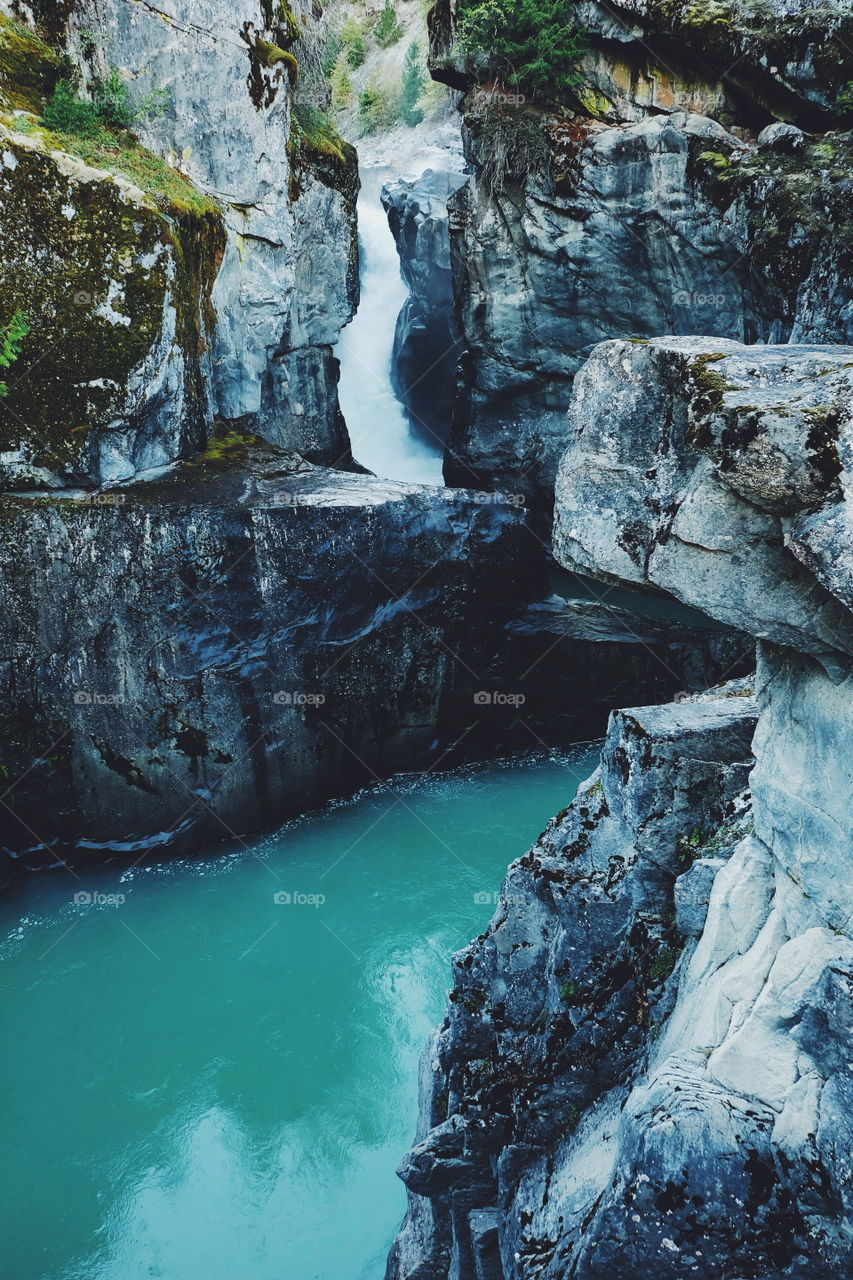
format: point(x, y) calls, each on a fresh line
point(644, 1059)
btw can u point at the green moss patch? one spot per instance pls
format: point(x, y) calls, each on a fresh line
point(92, 269)
point(29, 68)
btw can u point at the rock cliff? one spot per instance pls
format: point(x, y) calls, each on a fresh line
point(129, 267)
point(427, 345)
point(236, 642)
point(675, 193)
point(645, 1058)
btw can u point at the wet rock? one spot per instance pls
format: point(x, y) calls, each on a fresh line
point(427, 343)
point(653, 1034)
point(218, 292)
point(551, 1006)
point(643, 206)
point(237, 641)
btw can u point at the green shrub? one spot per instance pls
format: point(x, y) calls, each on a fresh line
point(66, 113)
point(352, 36)
point(387, 30)
point(313, 130)
point(331, 52)
point(110, 107)
point(10, 343)
point(341, 85)
point(533, 45)
point(412, 86)
point(375, 109)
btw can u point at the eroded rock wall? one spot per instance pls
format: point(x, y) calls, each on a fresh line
point(645, 1058)
point(426, 343)
point(190, 659)
point(272, 263)
point(652, 201)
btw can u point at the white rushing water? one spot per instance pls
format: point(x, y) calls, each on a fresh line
point(380, 430)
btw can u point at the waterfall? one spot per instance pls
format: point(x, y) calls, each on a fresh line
point(380, 430)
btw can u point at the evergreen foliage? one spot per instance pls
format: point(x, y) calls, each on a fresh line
point(531, 45)
point(388, 30)
point(412, 86)
point(110, 107)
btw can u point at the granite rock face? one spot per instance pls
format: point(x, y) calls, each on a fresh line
point(236, 642)
point(426, 344)
point(654, 201)
point(273, 264)
point(630, 244)
point(645, 1060)
point(691, 457)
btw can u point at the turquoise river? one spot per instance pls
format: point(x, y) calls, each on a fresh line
point(219, 1068)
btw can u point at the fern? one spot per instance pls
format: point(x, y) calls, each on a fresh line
point(10, 343)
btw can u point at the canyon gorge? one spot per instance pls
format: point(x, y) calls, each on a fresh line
point(403, 499)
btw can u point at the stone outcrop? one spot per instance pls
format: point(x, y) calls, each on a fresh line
point(689, 454)
point(244, 270)
point(427, 346)
point(785, 58)
point(237, 641)
point(118, 328)
point(644, 1062)
point(653, 202)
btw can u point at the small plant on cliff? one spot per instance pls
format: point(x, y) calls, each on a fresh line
point(532, 45)
point(10, 343)
point(375, 108)
point(688, 845)
point(513, 141)
point(352, 36)
point(110, 107)
point(388, 29)
point(412, 86)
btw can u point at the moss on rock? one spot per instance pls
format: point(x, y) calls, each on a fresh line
point(95, 266)
point(29, 68)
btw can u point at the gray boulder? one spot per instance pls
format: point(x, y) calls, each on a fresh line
point(691, 461)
